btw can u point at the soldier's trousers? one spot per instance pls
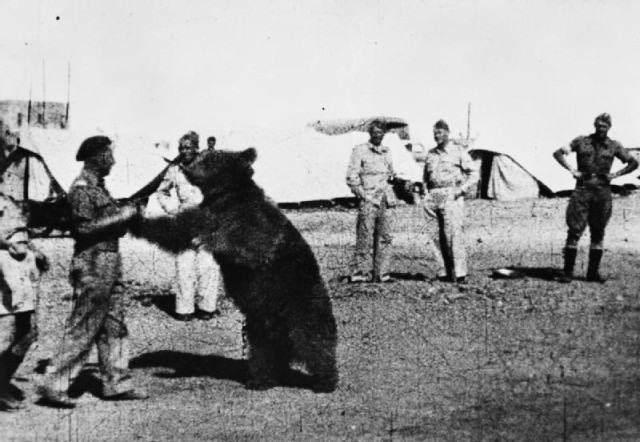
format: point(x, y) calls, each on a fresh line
point(198, 281)
point(97, 316)
point(18, 332)
point(592, 207)
point(445, 227)
point(373, 239)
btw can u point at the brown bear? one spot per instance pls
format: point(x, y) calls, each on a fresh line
point(268, 269)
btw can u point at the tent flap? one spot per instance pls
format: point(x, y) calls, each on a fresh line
point(509, 181)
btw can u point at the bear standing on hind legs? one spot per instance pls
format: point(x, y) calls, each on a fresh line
point(268, 269)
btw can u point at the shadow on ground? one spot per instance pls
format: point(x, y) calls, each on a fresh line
point(185, 365)
point(165, 302)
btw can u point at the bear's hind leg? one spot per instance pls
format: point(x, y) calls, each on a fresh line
point(318, 353)
point(264, 364)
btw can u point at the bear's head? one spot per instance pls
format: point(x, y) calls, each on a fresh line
point(220, 171)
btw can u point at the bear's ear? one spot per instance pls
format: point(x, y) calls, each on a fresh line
point(249, 155)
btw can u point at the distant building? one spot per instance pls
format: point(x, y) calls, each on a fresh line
point(47, 114)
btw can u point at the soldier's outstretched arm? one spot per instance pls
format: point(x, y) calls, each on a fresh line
point(107, 222)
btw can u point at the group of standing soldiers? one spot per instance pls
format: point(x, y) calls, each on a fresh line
point(449, 174)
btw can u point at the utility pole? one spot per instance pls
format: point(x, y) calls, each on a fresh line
point(44, 96)
point(29, 106)
point(66, 116)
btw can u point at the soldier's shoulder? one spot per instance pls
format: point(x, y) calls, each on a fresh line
point(81, 186)
point(581, 138)
point(79, 182)
point(616, 144)
point(361, 146)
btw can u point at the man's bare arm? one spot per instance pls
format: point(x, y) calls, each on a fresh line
point(631, 164)
point(560, 156)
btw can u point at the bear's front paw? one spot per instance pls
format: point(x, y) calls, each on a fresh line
point(324, 385)
point(259, 384)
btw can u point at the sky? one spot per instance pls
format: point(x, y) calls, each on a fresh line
point(536, 73)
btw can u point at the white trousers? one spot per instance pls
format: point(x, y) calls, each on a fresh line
point(198, 281)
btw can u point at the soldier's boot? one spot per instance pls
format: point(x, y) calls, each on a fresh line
point(10, 363)
point(570, 254)
point(593, 272)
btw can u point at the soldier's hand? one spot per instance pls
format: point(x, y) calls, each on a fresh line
point(611, 176)
point(457, 193)
point(576, 174)
point(429, 211)
point(141, 205)
point(15, 250)
point(42, 262)
point(129, 211)
point(427, 203)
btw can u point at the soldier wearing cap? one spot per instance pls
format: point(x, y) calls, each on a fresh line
point(449, 173)
point(97, 315)
point(590, 203)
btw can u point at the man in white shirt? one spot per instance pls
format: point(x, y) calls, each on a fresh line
point(198, 273)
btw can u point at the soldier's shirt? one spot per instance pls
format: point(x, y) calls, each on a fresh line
point(448, 167)
point(368, 173)
point(176, 192)
point(89, 201)
point(595, 156)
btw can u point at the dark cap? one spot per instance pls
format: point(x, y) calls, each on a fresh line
point(603, 118)
point(441, 124)
point(92, 146)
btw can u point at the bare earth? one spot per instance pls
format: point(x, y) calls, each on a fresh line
point(526, 359)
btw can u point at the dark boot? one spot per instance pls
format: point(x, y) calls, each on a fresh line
point(570, 254)
point(8, 365)
point(593, 273)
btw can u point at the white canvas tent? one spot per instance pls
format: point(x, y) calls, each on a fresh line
point(293, 166)
point(503, 178)
point(304, 165)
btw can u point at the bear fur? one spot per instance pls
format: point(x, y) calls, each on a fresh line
point(268, 269)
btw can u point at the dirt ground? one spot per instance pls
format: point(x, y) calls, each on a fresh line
point(526, 359)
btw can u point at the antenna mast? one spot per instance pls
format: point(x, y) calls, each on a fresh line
point(44, 96)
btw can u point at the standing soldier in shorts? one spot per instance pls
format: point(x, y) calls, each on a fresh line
point(97, 315)
point(590, 202)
